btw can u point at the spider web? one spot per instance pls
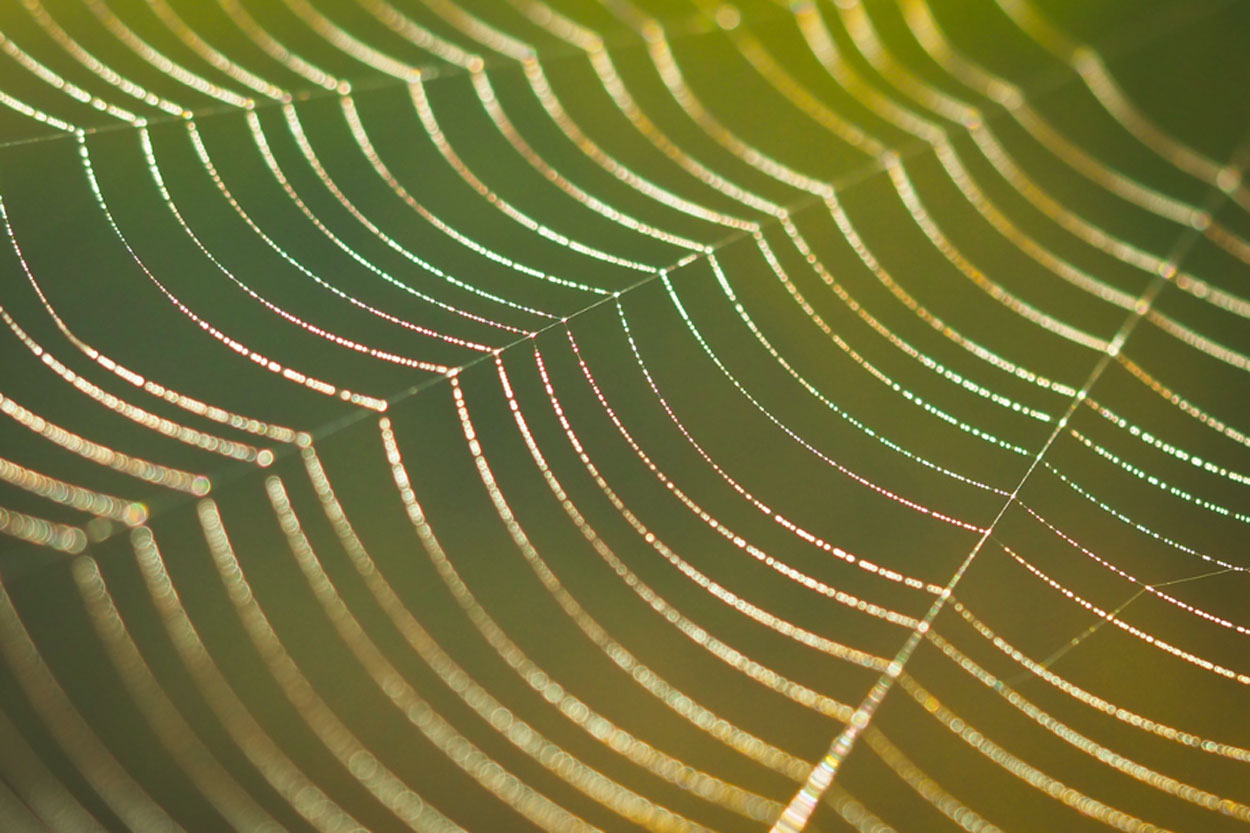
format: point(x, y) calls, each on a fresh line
point(567, 416)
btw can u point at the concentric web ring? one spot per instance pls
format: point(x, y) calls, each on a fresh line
point(493, 415)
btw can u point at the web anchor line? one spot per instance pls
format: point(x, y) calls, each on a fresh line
point(1028, 674)
point(805, 801)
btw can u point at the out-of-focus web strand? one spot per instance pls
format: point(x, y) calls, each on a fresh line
point(1197, 288)
point(234, 806)
point(1021, 704)
point(612, 795)
point(665, 62)
point(1093, 701)
point(128, 512)
point(136, 467)
point(1100, 81)
point(278, 433)
point(662, 56)
point(159, 61)
point(198, 439)
point(858, 25)
point(164, 476)
point(15, 815)
point(1109, 757)
point(283, 774)
point(797, 813)
point(593, 44)
point(41, 532)
point(928, 33)
point(559, 696)
point(1053, 788)
point(385, 785)
point(406, 805)
point(46, 795)
point(687, 707)
point(527, 56)
point(967, 73)
point(70, 730)
point(585, 369)
point(601, 63)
